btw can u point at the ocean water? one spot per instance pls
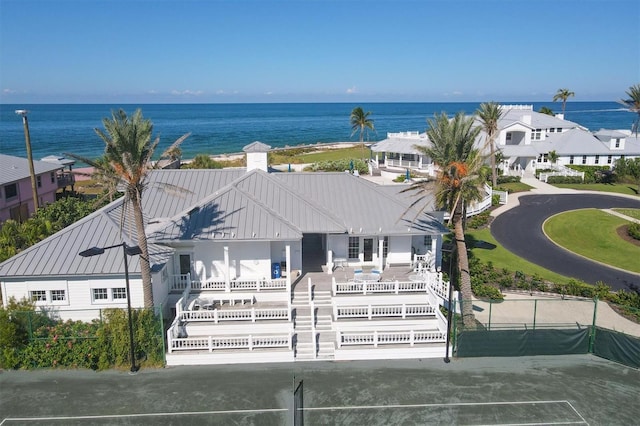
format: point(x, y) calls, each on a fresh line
point(226, 128)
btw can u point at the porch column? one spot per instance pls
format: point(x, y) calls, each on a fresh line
point(227, 275)
point(434, 248)
point(287, 258)
point(400, 160)
point(381, 254)
point(329, 260)
point(420, 161)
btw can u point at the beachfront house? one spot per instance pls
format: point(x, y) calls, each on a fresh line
point(256, 266)
point(398, 153)
point(16, 197)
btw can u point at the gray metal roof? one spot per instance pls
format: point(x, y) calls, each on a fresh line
point(582, 142)
point(400, 145)
point(13, 169)
point(256, 146)
point(57, 255)
point(538, 120)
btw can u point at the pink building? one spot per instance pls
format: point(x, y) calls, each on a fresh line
point(16, 197)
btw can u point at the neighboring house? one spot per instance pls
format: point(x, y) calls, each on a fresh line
point(398, 152)
point(16, 197)
point(226, 250)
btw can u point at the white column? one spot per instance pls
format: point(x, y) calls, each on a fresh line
point(329, 260)
point(287, 258)
point(227, 275)
point(381, 253)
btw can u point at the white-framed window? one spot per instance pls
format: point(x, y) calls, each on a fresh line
point(119, 293)
point(354, 247)
point(427, 241)
point(38, 295)
point(559, 130)
point(100, 294)
point(571, 159)
point(584, 159)
point(597, 159)
point(617, 142)
point(53, 177)
point(10, 191)
point(39, 180)
point(552, 130)
point(58, 295)
point(385, 246)
point(508, 137)
point(536, 134)
point(609, 159)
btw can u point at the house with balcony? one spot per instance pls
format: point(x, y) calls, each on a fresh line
point(16, 195)
point(256, 266)
point(398, 153)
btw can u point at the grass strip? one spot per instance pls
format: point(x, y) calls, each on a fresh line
point(618, 188)
point(592, 234)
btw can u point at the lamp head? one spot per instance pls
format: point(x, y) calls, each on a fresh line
point(93, 251)
point(22, 112)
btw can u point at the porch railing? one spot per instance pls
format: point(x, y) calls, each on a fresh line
point(376, 338)
point(216, 315)
point(212, 343)
point(478, 206)
point(395, 287)
point(180, 282)
point(562, 171)
point(376, 311)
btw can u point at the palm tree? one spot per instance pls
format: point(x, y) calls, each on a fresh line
point(632, 103)
point(127, 163)
point(360, 122)
point(489, 115)
point(546, 110)
point(553, 157)
point(452, 149)
point(563, 95)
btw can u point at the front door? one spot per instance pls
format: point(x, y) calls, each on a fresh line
point(367, 248)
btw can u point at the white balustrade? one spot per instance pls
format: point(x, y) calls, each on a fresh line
point(212, 343)
point(376, 311)
point(253, 314)
point(375, 338)
point(180, 282)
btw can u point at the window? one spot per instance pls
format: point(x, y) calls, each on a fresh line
point(10, 191)
point(119, 293)
point(559, 130)
point(385, 246)
point(617, 142)
point(39, 180)
point(427, 241)
point(508, 137)
point(552, 130)
point(609, 159)
point(58, 296)
point(584, 159)
point(354, 247)
point(536, 134)
point(53, 177)
point(38, 295)
point(571, 159)
point(100, 294)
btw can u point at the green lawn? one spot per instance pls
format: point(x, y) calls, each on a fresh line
point(284, 157)
point(592, 233)
point(619, 188)
point(514, 187)
point(502, 258)
point(634, 213)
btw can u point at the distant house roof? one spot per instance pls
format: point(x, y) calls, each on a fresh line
point(400, 144)
point(56, 159)
point(538, 120)
point(227, 204)
point(13, 169)
point(582, 142)
point(256, 146)
point(607, 135)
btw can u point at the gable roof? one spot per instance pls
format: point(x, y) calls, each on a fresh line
point(581, 142)
point(13, 169)
point(256, 146)
point(402, 145)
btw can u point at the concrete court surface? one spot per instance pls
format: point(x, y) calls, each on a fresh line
point(572, 389)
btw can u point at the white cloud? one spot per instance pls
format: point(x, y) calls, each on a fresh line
point(351, 90)
point(187, 92)
point(8, 91)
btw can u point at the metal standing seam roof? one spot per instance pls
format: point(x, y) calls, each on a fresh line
point(401, 145)
point(57, 255)
point(13, 169)
point(256, 146)
point(538, 120)
point(582, 142)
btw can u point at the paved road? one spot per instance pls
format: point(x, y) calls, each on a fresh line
point(519, 230)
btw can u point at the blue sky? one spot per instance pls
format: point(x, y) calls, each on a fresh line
point(193, 51)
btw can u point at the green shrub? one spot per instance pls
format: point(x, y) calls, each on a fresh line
point(487, 291)
point(507, 179)
point(564, 179)
point(479, 220)
point(592, 174)
point(339, 166)
point(634, 231)
point(203, 161)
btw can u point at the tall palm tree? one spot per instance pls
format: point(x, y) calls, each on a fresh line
point(360, 122)
point(563, 95)
point(127, 163)
point(632, 103)
point(546, 110)
point(452, 149)
point(489, 115)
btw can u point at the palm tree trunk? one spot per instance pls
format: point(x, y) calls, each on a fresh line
point(468, 318)
point(145, 268)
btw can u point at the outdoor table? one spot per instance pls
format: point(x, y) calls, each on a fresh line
point(367, 277)
point(339, 262)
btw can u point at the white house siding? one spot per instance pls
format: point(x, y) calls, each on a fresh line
point(79, 303)
point(603, 160)
point(399, 249)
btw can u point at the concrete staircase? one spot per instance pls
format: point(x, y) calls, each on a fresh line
point(309, 345)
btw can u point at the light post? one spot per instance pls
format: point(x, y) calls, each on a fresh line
point(27, 137)
point(131, 251)
point(450, 250)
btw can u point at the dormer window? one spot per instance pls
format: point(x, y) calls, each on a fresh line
point(617, 143)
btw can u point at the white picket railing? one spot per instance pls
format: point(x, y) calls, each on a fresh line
point(376, 338)
point(377, 311)
point(253, 315)
point(562, 171)
point(364, 287)
point(180, 282)
point(212, 343)
point(477, 206)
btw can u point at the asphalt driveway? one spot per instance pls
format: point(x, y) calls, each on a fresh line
point(519, 230)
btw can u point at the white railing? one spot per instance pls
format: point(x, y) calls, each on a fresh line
point(253, 315)
point(180, 282)
point(409, 134)
point(376, 311)
point(562, 171)
point(403, 163)
point(375, 338)
point(504, 196)
point(212, 343)
point(477, 206)
point(424, 262)
point(364, 287)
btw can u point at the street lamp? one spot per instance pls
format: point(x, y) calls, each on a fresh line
point(27, 137)
point(126, 250)
point(449, 250)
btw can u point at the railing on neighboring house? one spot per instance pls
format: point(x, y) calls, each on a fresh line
point(65, 179)
point(561, 171)
point(477, 206)
point(179, 282)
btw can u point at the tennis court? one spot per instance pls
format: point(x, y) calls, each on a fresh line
point(557, 390)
